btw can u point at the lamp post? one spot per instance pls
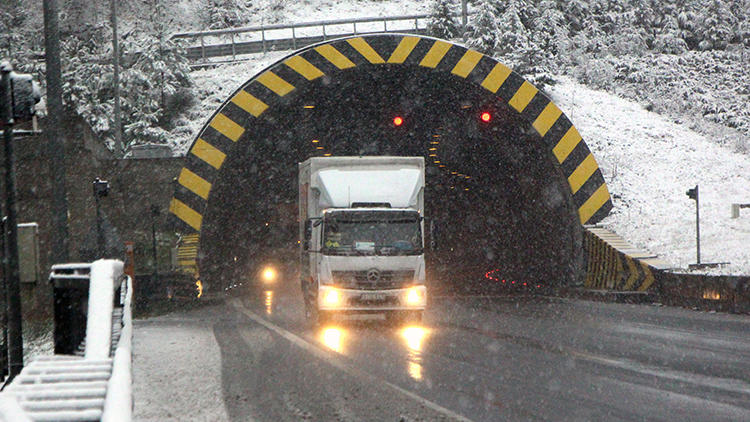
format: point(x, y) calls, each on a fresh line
point(101, 189)
point(154, 215)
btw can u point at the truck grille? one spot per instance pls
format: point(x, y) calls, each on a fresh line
point(387, 280)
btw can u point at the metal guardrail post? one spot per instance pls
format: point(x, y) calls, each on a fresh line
point(234, 53)
point(294, 39)
point(203, 49)
point(355, 27)
point(263, 35)
point(385, 25)
point(324, 32)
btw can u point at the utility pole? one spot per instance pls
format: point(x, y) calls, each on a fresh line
point(12, 279)
point(464, 14)
point(119, 148)
point(55, 145)
point(3, 306)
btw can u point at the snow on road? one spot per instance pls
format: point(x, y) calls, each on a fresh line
point(649, 162)
point(177, 369)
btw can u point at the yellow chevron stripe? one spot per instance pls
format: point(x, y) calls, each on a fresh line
point(227, 127)
point(273, 82)
point(582, 173)
point(365, 50)
point(592, 205)
point(303, 67)
point(649, 280)
point(546, 118)
point(334, 56)
point(249, 103)
point(567, 144)
point(496, 77)
point(186, 214)
point(405, 47)
point(194, 183)
point(523, 96)
point(208, 153)
point(436, 53)
point(467, 63)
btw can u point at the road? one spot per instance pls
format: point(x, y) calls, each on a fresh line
point(473, 358)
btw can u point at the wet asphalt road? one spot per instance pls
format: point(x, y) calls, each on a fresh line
point(483, 359)
point(476, 358)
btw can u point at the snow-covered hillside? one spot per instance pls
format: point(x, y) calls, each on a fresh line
point(649, 162)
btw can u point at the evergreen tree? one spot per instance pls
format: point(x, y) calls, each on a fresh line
point(513, 39)
point(670, 40)
point(481, 32)
point(442, 21)
point(227, 13)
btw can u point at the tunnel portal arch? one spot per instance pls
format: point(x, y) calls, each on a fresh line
point(251, 114)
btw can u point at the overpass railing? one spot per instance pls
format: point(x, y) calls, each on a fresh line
point(91, 381)
point(260, 39)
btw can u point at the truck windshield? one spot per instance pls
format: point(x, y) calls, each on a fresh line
point(372, 233)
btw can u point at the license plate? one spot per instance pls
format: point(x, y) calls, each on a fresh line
point(373, 297)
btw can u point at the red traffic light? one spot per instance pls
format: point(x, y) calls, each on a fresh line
point(486, 117)
point(398, 120)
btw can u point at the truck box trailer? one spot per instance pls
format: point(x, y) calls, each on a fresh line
point(361, 226)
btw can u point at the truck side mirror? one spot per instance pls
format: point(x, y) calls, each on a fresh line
point(308, 235)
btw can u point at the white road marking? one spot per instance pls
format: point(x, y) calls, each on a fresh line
point(349, 369)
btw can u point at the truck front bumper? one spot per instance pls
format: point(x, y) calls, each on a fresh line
point(335, 299)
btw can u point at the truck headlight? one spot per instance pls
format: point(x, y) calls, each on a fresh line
point(331, 297)
point(415, 296)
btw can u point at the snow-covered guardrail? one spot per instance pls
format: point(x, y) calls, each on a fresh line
point(91, 386)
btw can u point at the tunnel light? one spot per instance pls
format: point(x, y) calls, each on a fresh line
point(486, 117)
point(318, 147)
point(328, 154)
point(308, 106)
point(433, 149)
point(398, 120)
point(315, 141)
point(436, 161)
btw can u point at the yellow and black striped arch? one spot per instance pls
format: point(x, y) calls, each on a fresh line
point(236, 118)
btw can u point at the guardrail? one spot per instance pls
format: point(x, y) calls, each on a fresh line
point(91, 385)
point(264, 38)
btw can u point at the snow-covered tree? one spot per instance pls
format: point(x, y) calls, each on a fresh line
point(482, 31)
point(442, 21)
point(670, 40)
point(221, 14)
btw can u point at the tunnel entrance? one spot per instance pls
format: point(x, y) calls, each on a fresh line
point(503, 202)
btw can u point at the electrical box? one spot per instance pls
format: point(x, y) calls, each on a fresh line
point(28, 252)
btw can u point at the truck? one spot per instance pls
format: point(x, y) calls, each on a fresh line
point(361, 243)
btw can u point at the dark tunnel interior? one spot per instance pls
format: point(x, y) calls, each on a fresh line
point(498, 201)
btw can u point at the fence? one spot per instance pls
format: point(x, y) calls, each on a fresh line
point(81, 386)
point(264, 38)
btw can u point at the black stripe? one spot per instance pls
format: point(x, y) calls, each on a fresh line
point(190, 199)
point(383, 44)
point(601, 213)
point(588, 188)
point(557, 131)
point(419, 51)
point(579, 153)
point(481, 70)
point(350, 53)
point(535, 106)
point(219, 141)
point(257, 90)
point(450, 59)
point(201, 168)
point(510, 86)
point(320, 62)
point(290, 75)
point(238, 115)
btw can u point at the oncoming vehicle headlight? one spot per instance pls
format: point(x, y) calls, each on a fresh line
point(269, 274)
point(415, 296)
